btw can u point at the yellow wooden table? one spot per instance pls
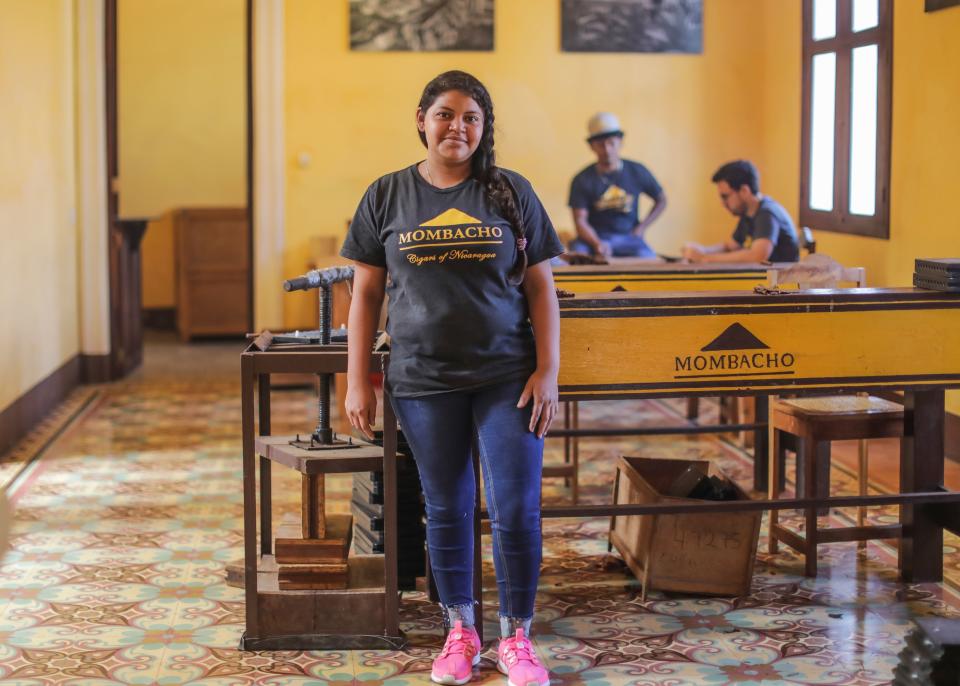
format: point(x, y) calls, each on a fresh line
point(680, 344)
point(676, 344)
point(637, 274)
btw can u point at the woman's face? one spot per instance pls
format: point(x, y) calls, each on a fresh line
point(453, 125)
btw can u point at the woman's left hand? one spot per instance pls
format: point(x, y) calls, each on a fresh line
point(542, 388)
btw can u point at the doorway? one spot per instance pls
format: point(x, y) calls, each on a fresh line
point(179, 125)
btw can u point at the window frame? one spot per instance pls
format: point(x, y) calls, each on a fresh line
point(839, 219)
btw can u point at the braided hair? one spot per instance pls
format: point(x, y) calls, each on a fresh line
point(497, 187)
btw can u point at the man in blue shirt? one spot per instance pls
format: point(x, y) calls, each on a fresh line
point(604, 197)
point(765, 231)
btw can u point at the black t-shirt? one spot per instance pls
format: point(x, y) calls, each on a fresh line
point(455, 323)
point(611, 200)
point(774, 223)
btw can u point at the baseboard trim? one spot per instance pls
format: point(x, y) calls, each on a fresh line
point(160, 318)
point(24, 412)
point(95, 368)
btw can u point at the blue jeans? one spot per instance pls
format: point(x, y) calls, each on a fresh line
point(622, 244)
point(440, 430)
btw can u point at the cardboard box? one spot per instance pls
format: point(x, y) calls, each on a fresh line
point(708, 553)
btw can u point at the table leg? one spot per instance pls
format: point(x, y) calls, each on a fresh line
point(863, 459)
point(576, 453)
point(761, 444)
point(773, 492)
point(390, 557)
point(810, 452)
point(266, 491)
point(250, 557)
point(921, 469)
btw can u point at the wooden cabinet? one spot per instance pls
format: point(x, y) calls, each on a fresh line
point(214, 274)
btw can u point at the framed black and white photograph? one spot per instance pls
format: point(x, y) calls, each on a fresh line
point(632, 26)
point(421, 25)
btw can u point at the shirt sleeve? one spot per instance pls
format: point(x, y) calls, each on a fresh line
point(649, 183)
point(579, 194)
point(542, 240)
point(765, 225)
point(740, 233)
point(363, 242)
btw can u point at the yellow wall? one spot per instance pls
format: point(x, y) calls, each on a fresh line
point(38, 301)
point(925, 147)
point(159, 286)
point(181, 89)
point(181, 101)
point(353, 113)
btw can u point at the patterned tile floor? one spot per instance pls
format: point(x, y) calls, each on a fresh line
point(123, 526)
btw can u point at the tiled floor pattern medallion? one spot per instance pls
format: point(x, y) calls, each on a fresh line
point(122, 531)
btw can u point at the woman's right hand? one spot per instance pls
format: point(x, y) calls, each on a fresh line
point(361, 406)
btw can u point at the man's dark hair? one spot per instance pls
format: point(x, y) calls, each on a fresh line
point(739, 173)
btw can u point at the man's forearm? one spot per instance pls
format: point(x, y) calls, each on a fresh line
point(742, 255)
point(659, 206)
point(715, 249)
point(586, 233)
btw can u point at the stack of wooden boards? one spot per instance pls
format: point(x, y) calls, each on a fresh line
point(317, 559)
point(314, 564)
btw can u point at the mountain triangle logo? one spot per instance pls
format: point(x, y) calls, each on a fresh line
point(735, 337)
point(452, 217)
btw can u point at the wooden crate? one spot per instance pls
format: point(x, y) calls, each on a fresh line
point(691, 553)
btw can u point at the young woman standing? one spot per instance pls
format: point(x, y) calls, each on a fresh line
point(463, 249)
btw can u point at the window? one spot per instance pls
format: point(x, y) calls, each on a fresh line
point(845, 175)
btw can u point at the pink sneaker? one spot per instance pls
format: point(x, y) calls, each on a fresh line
point(517, 659)
point(460, 653)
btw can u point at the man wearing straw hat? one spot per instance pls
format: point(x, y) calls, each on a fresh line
point(604, 196)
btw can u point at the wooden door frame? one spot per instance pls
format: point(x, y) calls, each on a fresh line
point(120, 363)
point(248, 62)
point(110, 93)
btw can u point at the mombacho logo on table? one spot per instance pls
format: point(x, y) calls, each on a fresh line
point(735, 352)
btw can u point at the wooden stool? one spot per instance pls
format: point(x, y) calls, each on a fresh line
point(817, 422)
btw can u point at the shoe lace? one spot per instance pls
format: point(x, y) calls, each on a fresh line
point(458, 642)
point(519, 648)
